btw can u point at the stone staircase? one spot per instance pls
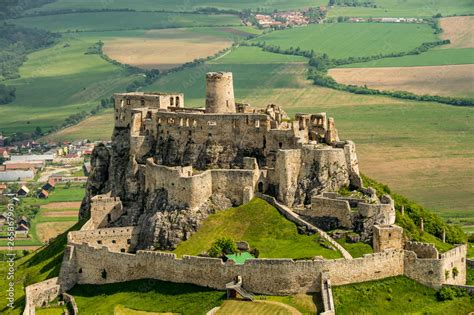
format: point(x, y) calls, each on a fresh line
point(237, 286)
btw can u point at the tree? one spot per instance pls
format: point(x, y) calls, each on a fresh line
point(223, 246)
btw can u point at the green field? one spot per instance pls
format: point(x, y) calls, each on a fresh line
point(262, 226)
point(342, 40)
point(60, 194)
point(146, 295)
point(398, 295)
point(181, 5)
point(436, 57)
point(356, 249)
point(60, 81)
point(407, 8)
point(107, 21)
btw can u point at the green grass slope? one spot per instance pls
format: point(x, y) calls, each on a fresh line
point(59, 81)
point(397, 295)
point(107, 21)
point(262, 226)
point(146, 295)
point(407, 8)
point(181, 5)
point(436, 57)
point(342, 40)
point(41, 265)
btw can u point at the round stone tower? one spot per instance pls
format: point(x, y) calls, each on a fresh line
point(220, 93)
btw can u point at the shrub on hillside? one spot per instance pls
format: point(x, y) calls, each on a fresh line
point(450, 293)
point(223, 246)
point(7, 94)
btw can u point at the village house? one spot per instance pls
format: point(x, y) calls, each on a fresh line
point(50, 185)
point(22, 230)
point(23, 221)
point(43, 194)
point(23, 191)
point(16, 175)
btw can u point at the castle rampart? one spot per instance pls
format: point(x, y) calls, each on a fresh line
point(422, 250)
point(123, 239)
point(262, 276)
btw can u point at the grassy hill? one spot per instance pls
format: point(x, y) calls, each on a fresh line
point(258, 223)
point(398, 295)
point(342, 40)
point(107, 21)
point(262, 226)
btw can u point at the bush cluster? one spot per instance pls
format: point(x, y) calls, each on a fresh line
point(223, 246)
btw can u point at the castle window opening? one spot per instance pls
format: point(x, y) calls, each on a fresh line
point(148, 115)
point(99, 242)
point(194, 124)
point(280, 145)
point(109, 217)
point(264, 142)
point(260, 187)
point(142, 102)
point(389, 234)
point(257, 124)
point(114, 241)
point(181, 122)
point(80, 270)
point(121, 104)
point(177, 101)
point(122, 250)
point(128, 101)
point(103, 274)
point(171, 101)
point(129, 241)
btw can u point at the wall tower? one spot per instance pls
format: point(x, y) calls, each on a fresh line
point(220, 93)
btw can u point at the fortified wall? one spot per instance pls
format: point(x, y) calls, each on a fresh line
point(90, 265)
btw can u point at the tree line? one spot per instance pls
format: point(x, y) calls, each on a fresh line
point(321, 63)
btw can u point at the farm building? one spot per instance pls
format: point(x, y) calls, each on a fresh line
point(33, 157)
point(50, 185)
point(25, 165)
point(16, 175)
point(23, 221)
point(22, 230)
point(23, 191)
point(43, 194)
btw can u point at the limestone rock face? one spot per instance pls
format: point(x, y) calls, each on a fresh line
point(98, 181)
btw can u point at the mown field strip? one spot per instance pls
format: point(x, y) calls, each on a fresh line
point(452, 80)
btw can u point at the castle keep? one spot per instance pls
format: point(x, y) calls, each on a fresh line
point(171, 166)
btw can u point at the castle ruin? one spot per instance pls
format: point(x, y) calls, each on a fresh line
point(171, 166)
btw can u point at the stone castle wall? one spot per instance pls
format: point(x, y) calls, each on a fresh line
point(122, 239)
point(422, 250)
point(435, 272)
point(40, 294)
point(264, 276)
point(186, 190)
point(104, 210)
